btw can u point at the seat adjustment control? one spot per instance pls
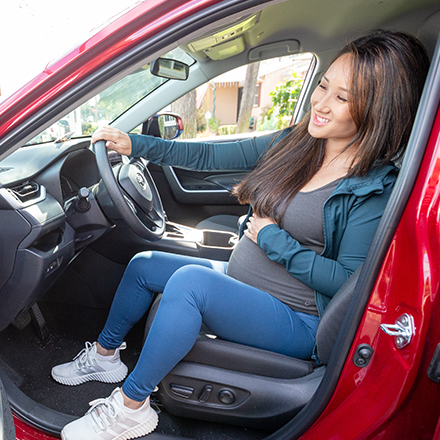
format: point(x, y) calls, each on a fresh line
point(226, 396)
point(181, 391)
point(205, 394)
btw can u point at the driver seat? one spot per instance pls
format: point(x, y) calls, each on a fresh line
point(223, 222)
point(222, 381)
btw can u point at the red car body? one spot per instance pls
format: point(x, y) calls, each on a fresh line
point(395, 398)
point(391, 398)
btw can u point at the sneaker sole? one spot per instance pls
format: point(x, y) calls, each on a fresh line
point(113, 376)
point(139, 431)
point(142, 429)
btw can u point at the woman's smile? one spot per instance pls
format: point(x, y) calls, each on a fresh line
point(318, 120)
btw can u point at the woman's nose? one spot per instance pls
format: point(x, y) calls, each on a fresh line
point(322, 104)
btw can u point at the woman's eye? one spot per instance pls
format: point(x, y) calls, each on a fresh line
point(322, 86)
point(342, 99)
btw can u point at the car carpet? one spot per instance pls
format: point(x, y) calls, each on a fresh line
point(71, 326)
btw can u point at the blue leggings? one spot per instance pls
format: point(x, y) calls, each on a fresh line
point(197, 290)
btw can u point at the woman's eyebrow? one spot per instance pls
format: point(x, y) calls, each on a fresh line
point(341, 88)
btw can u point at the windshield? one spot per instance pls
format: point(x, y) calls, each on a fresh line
point(108, 105)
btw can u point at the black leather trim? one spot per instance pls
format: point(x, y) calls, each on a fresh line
point(244, 359)
point(333, 317)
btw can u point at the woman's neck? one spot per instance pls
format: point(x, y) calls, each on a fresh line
point(336, 154)
point(335, 165)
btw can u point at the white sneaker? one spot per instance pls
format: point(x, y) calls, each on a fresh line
point(89, 365)
point(109, 419)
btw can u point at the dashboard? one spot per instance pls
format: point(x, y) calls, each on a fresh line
point(43, 226)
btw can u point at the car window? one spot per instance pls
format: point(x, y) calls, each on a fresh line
point(257, 98)
point(108, 105)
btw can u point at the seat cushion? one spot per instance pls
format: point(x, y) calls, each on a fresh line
point(223, 222)
point(241, 358)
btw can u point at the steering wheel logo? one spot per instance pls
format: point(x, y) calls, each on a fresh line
point(141, 181)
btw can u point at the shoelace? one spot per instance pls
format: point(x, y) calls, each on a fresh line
point(103, 412)
point(83, 358)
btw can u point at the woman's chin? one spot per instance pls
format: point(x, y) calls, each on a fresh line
point(314, 131)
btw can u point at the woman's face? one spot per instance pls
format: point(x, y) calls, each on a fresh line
point(330, 117)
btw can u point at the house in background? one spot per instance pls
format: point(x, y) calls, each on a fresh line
point(221, 97)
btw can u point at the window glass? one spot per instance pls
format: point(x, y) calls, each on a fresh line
point(108, 105)
point(274, 87)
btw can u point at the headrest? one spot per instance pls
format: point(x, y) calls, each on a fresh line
point(429, 31)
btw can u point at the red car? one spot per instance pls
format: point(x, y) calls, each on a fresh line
point(67, 232)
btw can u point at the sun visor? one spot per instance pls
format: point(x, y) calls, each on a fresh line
point(278, 49)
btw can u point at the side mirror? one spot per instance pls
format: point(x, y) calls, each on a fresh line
point(167, 126)
point(171, 69)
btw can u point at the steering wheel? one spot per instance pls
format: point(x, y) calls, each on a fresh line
point(134, 194)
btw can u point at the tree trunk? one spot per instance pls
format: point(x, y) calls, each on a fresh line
point(247, 98)
point(185, 107)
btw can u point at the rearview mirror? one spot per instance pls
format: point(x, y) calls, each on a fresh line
point(171, 69)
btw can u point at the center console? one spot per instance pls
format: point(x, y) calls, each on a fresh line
point(205, 243)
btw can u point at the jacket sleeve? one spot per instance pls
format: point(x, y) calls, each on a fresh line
point(202, 156)
point(327, 275)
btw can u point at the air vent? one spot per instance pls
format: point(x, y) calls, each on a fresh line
point(26, 191)
point(3, 170)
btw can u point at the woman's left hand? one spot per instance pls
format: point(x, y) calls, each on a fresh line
point(255, 224)
point(114, 139)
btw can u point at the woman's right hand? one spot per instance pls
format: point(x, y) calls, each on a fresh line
point(255, 224)
point(115, 139)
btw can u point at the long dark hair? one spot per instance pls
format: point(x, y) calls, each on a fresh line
point(388, 70)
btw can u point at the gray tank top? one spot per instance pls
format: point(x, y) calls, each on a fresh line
point(303, 221)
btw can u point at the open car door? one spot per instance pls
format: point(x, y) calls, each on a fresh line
point(7, 430)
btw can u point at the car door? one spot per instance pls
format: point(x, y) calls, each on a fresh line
point(7, 429)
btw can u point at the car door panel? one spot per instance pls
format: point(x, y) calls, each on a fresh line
point(189, 206)
point(7, 430)
point(192, 196)
point(201, 187)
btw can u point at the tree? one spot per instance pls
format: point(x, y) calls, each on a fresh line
point(185, 107)
point(247, 98)
point(284, 99)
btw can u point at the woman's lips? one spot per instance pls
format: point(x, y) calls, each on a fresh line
point(318, 120)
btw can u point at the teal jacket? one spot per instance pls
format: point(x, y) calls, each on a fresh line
point(350, 215)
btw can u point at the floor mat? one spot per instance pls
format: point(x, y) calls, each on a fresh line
point(70, 327)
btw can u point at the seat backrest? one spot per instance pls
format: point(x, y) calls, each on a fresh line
point(332, 318)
